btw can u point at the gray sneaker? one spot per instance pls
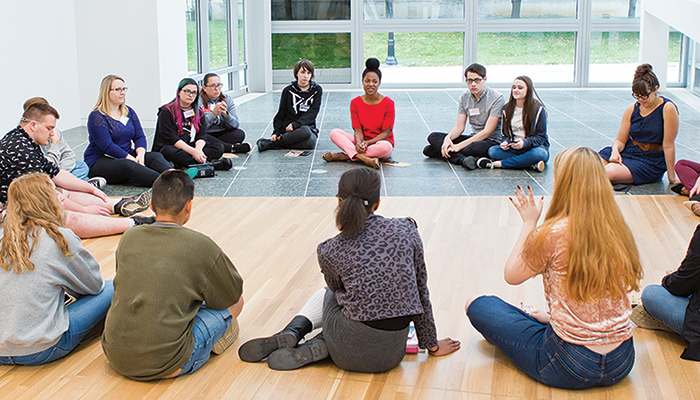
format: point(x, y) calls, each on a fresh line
point(129, 206)
point(642, 319)
point(98, 182)
point(468, 162)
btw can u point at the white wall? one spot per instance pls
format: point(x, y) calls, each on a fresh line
point(39, 58)
point(144, 42)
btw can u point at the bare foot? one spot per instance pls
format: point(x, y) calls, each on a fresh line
point(369, 161)
point(330, 157)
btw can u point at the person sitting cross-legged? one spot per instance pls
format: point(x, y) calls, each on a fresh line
point(175, 306)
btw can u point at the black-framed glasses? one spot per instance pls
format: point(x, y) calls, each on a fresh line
point(475, 80)
point(120, 89)
point(638, 97)
point(190, 92)
point(216, 85)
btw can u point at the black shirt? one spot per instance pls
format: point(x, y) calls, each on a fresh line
point(19, 155)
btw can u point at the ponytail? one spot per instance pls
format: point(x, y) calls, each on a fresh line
point(358, 192)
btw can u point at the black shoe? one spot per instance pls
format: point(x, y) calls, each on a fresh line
point(222, 164)
point(621, 187)
point(257, 349)
point(265, 144)
point(240, 148)
point(139, 220)
point(677, 188)
point(129, 206)
point(293, 358)
point(98, 182)
point(485, 163)
point(468, 162)
point(429, 151)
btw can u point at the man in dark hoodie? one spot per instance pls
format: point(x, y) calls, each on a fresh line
point(295, 121)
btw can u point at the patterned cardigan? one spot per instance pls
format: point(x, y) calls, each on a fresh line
point(380, 273)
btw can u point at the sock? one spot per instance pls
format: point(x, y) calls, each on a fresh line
point(132, 223)
point(313, 309)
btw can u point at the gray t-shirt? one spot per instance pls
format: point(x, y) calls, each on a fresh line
point(34, 316)
point(478, 112)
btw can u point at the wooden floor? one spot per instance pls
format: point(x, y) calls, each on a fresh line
point(273, 242)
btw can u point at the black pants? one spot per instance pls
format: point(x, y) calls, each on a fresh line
point(476, 149)
point(182, 159)
point(121, 170)
point(302, 138)
point(228, 138)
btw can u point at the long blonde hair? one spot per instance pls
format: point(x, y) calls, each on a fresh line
point(32, 205)
point(103, 98)
point(603, 257)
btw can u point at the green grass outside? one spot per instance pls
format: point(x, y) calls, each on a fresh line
point(332, 50)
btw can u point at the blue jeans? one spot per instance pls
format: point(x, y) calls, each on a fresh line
point(519, 158)
point(665, 307)
point(83, 315)
point(541, 354)
point(80, 170)
point(209, 326)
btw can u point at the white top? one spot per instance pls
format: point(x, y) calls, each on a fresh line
point(516, 123)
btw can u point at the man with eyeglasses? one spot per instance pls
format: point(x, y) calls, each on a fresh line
point(482, 106)
point(88, 208)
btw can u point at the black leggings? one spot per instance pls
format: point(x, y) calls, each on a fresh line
point(121, 170)
point(227, 138)
point(182, 159)
point(302, 138)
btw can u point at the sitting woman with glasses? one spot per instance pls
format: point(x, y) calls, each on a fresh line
point(372, 123)
point(645, 145)
point(117, 144)
point(40, 262)
point(181, 134)
point(220, 116)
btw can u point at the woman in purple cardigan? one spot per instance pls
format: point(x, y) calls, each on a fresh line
point(117, 148)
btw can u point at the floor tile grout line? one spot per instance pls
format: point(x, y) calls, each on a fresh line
point(555, 141)
point(448, 163)
point(247, 158)
point(582, 123)
point(536, 181)
point(450, 96)
point(313, 154)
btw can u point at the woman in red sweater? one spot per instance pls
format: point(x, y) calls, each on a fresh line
point(372, 123)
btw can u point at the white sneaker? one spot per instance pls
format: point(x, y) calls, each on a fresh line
point(540, 166)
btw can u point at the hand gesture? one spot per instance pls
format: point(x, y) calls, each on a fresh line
point(447, 147)
point(220, 108)
point(540, 315)
point(199, 156)
point(525, 204)
point(140, 158)
point(517, 144)
point(361, 147)
point(445, 346)
point(97, 210)
point(695, 189)
point(289, 128)
point(615, 156)
point(505, 145)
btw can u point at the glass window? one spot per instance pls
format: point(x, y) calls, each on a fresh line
point(218, 34)
point(489, 9)
point(614, 56)
point(615, 9)
point(192, 47)
point(330, 53)
point(299, 10)
point(241, 33)
point(413, 9)
point(433, 57)
point(543, 56)
point(675, 41)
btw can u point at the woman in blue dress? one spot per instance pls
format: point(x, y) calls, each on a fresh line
point(645, 145)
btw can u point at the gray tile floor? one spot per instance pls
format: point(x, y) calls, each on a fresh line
point(576, 117)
